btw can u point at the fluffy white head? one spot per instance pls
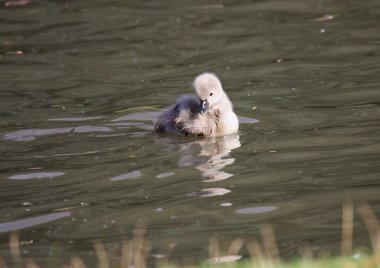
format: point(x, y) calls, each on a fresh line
point(208, 88)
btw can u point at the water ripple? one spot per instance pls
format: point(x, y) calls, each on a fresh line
point(36, 175)
point(33, 221)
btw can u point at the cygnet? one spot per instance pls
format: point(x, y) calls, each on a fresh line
point(209, 114)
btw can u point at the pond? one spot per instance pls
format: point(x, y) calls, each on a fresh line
point(82, 83)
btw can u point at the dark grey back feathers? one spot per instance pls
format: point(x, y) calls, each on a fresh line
point(170, 121)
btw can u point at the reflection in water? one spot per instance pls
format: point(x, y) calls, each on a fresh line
point(128, 176)
point(141, 116)
point(214, 192)
point(33, 221)
point(31, 134)
point(75, 119)
point(224, 259)
point(207, 192)
point(215, 151)
point(208, 155)
point(90, 129)
point(256, 210)
point(36, 175)
point(165, 175)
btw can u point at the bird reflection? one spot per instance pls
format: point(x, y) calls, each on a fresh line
point(210, 156)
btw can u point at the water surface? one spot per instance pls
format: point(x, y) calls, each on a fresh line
point(81, 84)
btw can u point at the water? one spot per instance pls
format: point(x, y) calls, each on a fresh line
point(82, 82)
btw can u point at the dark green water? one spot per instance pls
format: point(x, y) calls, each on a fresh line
point(79, 162)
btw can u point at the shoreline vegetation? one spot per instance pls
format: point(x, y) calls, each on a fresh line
point(265, 254)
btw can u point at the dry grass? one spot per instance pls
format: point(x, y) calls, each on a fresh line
point(135, 252)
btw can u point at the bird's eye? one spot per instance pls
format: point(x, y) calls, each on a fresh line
point(211, 94)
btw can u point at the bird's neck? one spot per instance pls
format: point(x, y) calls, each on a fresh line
point(225, 103)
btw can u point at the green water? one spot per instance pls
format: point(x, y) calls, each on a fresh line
point(81, 83)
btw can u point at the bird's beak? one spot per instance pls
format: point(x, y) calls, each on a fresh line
point(204, 106)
